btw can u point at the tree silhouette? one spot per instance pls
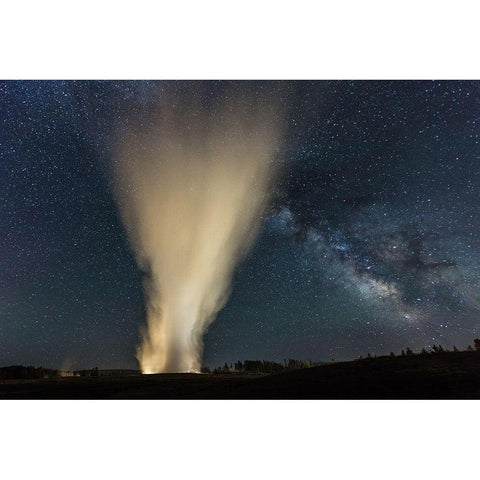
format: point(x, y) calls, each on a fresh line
point(19, 371)
point(409, 351)
point(476, 342)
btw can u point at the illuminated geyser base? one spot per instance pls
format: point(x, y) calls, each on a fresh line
point(150, 372)
point(191, 191)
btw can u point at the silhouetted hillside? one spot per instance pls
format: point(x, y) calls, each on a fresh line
point(452, 375)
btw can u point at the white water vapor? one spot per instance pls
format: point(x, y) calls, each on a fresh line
point(191, 183)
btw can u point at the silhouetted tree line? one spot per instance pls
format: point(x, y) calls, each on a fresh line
point(16, 372)
point(21, 372)
point(87, 373)
point(260, 366)
point(265, 366)
point(435, 350)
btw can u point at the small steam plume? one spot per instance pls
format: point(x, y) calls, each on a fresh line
point(192, 179)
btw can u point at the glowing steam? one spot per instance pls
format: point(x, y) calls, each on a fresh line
point(191, 187)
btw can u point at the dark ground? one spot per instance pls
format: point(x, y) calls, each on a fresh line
point(438, 376)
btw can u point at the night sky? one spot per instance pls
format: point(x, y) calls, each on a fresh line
point(371, 243)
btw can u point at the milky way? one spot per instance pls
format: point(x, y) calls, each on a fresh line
point(371, 243)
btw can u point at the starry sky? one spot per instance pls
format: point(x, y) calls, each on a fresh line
point(371, 242)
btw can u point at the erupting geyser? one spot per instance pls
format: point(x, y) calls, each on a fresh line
point(191, 181)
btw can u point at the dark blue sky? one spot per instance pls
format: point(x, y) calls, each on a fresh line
point(371, 243)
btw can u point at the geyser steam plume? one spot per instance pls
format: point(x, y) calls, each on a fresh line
point(191, 187)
